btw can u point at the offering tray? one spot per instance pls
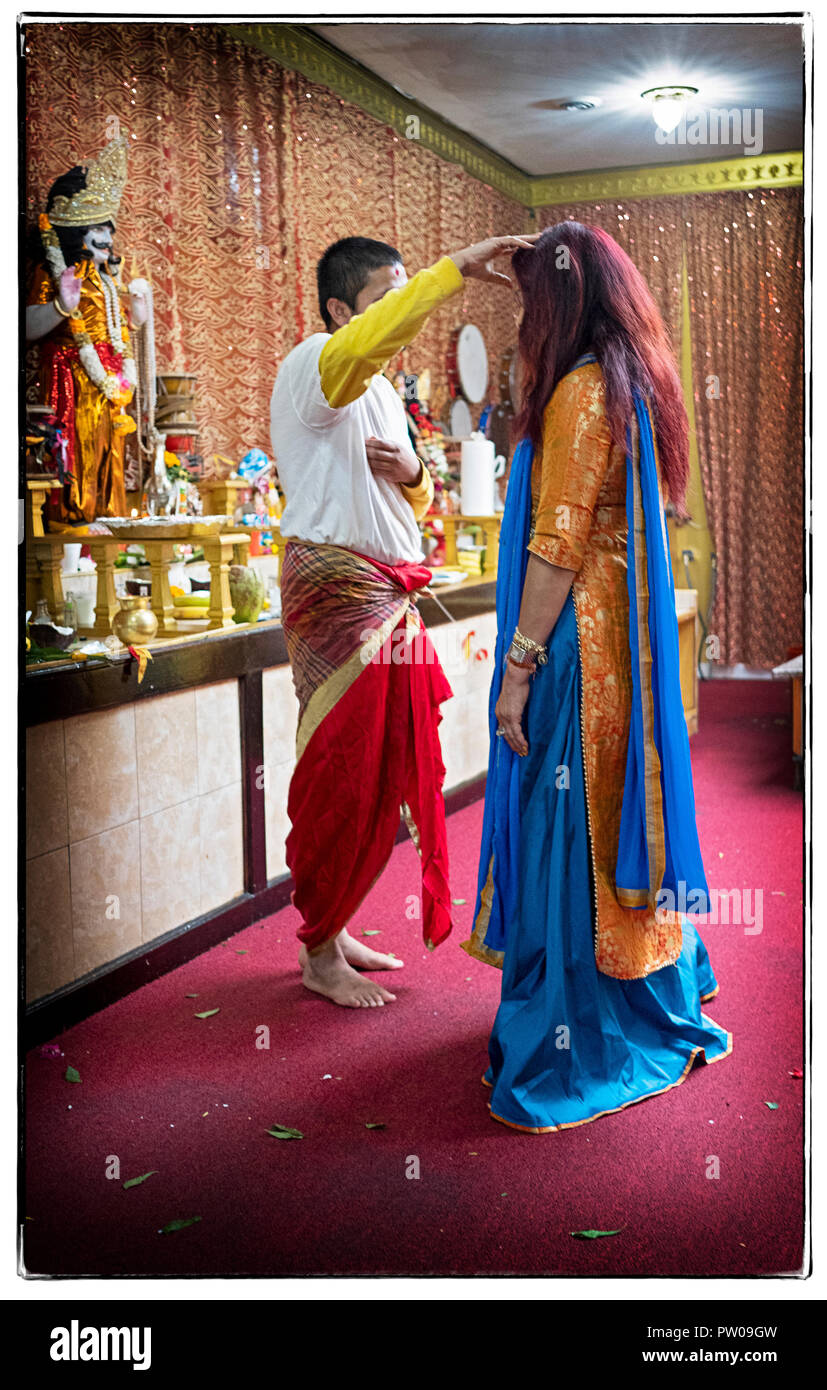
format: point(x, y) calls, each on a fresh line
point(165, 528)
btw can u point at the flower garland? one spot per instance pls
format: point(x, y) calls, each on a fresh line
point(108, 383)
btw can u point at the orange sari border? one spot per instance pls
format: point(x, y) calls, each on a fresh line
point(475, 946)
point(575, 1124)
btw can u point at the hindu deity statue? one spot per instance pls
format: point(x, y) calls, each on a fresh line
point(78, 314)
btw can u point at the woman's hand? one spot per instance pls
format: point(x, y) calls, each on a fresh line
point(510, 706)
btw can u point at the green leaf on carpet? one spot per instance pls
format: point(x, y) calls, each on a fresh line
point(71, 1074)
point(771, 1104)
point(179, 1224)
point(285, 1132)
point(133, 1182)
point(375, 1124)
point(190, 996)
point(241, 950)
point(595, 1235)
point(208, 1013)
point(371, 933)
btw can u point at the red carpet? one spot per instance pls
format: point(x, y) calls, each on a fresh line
point(191, 1098)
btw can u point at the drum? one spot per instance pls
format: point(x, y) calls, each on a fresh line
point(460, 419)
point(499, 429)
point(467, 364)
point(175, 411)
point(510, 378)
point(175, 384)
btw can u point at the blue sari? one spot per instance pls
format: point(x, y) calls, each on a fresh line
point(569, 1043)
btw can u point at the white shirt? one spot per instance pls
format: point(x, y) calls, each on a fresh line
point(331, 493)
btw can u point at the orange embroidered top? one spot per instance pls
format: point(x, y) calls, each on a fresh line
point(579, 523)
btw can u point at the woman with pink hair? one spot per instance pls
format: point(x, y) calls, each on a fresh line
point(590, 855)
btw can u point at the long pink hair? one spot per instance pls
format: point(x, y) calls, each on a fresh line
point(581, 291)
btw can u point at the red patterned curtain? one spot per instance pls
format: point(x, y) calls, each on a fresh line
point(744, 264)
point(649, 229)
point(744, 261)
point(240, 174)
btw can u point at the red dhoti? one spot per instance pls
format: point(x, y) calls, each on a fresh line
point(369, 686)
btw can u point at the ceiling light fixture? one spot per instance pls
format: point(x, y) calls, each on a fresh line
point(568, 104)
point(668, 104)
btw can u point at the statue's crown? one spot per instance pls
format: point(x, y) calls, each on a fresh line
point(100, 199)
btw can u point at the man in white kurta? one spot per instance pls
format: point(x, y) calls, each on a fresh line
point(355, 492)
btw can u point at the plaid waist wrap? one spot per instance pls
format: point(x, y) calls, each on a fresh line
point(369, 687)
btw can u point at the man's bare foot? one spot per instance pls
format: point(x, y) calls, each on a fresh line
point(362, 957)
point(327, 972)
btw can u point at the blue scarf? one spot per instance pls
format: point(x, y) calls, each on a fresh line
point(659, 858)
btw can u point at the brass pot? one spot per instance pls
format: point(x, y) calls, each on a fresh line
point(135, 624)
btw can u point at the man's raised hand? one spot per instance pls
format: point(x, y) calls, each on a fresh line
point(476, 262)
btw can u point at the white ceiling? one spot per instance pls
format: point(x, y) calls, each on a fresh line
point(491, 80)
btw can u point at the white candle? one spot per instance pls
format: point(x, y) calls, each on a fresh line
point(477, 476)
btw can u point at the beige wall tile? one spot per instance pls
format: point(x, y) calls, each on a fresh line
point(106, 896)
point(466, 671)
point(465, 674)
point(464, 737)
point(219, 735)
point(170, 868)
point(275, 811)
point(101, 776)
point(167, 751)
point(50, 960)
point(222, 847)
point(47, 816)
point(452, 740)
point(484, 639)
point(280, 715)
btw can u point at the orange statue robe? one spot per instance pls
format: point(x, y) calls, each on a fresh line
point(97, 487)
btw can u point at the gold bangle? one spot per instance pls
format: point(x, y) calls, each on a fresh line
point(64, 313)
point(527, 644)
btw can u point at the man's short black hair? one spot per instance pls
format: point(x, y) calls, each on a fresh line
point(343, 270)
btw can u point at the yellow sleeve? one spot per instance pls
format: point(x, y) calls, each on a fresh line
point(360, 349)
point(576, 447)
point(421, 494)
